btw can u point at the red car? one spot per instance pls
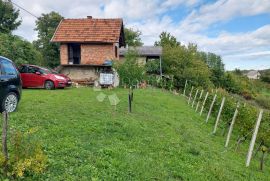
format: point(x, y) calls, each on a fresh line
point(35, 76)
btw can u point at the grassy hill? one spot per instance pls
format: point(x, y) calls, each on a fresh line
point(163, 139)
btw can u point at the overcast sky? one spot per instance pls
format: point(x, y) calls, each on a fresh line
point(238, 30)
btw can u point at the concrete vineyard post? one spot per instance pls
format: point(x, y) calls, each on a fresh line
point(211, 107)
point(204, 101)
point(253, 139)
point(195, 97)
point(198, 103)
point(190, 94)
point(231, 126)
point(219, 114)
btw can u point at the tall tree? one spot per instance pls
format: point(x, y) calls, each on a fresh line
point(46, 26)
point(8, 17)
point(166, 39)
point(132, 37)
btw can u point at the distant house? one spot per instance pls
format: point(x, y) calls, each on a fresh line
point(253, 74)
point(146, 53)
point(88, 46)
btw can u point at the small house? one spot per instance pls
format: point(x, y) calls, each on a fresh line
point(253, 74)
point(88, 46)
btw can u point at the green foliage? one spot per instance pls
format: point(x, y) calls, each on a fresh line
point(167, 40)
point(46, 26)
point(130, 72)
point(265, 76)
point(8, 17)
point(216, 66)
point(153, 67)
point(132, 37)
point(26, 157)
point(19, 50)
point(183, 63)
point(263, 101)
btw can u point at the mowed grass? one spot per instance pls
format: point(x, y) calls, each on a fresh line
point(162, 139)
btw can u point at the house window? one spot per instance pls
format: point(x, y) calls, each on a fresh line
point(116, 51)
point(74, 53)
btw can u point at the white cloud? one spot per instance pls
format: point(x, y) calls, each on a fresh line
point(223, 10)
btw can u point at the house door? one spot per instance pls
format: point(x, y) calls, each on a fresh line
point(74, 53)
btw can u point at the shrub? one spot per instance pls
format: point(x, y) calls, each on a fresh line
point(130, 72)
point(263, 101)
point(26, 156)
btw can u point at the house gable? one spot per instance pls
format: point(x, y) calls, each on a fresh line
point(90, 30)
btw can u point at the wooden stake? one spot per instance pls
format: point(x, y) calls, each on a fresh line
point(195, 97)
point(205, 98)
point(253, 139)
point(211, 107)
point(184, 93)
point(4, 139)
point(190, 94)
point(129, 103)
point(231, 126)
point(219, 114)
point(198, 103)
point(262, 160)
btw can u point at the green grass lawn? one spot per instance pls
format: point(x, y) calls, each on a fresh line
point(163, 139)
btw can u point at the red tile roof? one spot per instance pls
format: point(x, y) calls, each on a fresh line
point(88, 30)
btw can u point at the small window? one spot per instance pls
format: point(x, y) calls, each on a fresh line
point(33, 70)
point(23, 69)
point(8, 68)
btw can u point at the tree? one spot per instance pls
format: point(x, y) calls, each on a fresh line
point(130, 72)
point(8, 17)
point(166, 39)
point(19, 50)
point(215, 64)
point(265, 76)
point(132, 37)
point(46, 26)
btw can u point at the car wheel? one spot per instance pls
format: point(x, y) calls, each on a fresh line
point(49, 85)
point(10, 102)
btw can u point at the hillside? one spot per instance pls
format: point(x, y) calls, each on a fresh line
point(163, 139)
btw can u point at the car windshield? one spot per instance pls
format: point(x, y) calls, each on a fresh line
point(48, 71)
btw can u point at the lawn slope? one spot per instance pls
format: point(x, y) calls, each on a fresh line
point(163, 139)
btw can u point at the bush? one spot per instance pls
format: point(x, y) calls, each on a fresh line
point(153, 67)
point(19, 50)
point(26, 156)
point(263, 101)
point(130, 72)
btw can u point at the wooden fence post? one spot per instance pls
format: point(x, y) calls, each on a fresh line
point(198, 103)
point(211, 107)
point(219, 114)
point(253, 139)
point(195, 97)
point(4, 139)
point(204, 101)
point(190, 94)
point(231, 126)
point(184, 93)
point(130, 97)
